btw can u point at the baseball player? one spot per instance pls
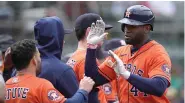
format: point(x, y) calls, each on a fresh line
point(25, 87)
point(77, 61)
point(143, 65)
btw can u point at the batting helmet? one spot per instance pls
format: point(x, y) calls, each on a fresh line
point(138, 15)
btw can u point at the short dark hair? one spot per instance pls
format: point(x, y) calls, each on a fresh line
point(83, 22)
point(22, 52)
point(80, 34)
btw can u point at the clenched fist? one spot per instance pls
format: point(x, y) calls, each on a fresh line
point(86, 84)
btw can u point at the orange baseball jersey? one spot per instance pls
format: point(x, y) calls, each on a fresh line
point(149, 61)
point(31, 89)
point(77, 62)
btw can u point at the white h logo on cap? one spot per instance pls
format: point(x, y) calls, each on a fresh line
point(127, 14)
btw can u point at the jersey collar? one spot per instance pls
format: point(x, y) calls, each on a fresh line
point(143, 48)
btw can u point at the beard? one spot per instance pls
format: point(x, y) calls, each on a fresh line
point(134, 40)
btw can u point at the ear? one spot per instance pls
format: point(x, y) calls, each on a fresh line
point(147, 29)
point(33, 60)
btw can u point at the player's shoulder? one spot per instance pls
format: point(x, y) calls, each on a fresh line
point(9, 81)
point(39, 81)
point(158, 48)
point(21, 79)
point(158, 51)
point(77, 57)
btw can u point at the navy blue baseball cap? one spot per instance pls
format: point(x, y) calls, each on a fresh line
point(138, 15)
point(84, 21)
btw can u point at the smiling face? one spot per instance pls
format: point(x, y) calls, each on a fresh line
point(135, 34)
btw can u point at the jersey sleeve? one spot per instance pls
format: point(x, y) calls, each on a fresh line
point(106, 68)
point(161, 67)
point(49, 94)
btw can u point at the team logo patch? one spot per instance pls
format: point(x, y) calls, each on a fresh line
point(15, 80)
point(107, 88)
point(53, 95)
point(166, 69)
point(127, 14)
point(71, 62)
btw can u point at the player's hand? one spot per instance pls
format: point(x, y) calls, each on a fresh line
point(96, 34)
point(119, 67)
point(86, 84)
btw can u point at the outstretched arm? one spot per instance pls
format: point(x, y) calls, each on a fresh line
point(95, 37)
point(92, 69)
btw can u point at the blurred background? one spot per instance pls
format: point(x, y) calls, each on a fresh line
point(17, 19)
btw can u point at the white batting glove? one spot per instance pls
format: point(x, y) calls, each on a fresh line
point(96, 34)
point(119, 67)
